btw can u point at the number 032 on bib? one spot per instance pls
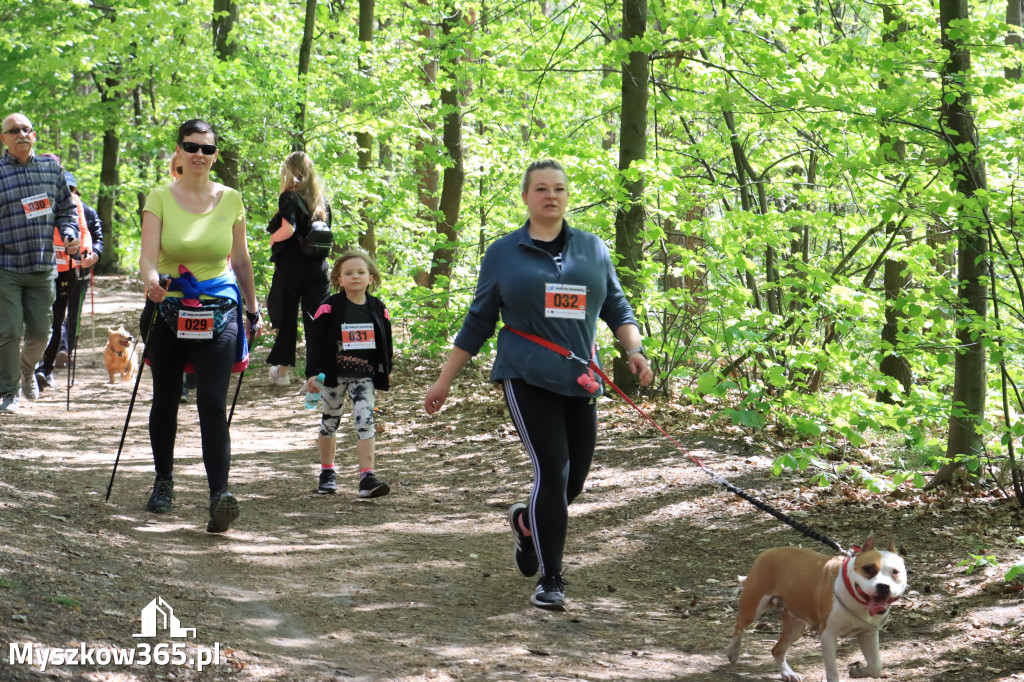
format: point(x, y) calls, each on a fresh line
point(567, 301)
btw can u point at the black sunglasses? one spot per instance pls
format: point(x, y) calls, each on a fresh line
point(192, 148)
point(18, 129)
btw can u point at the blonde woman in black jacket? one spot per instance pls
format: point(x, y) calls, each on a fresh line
point(298, 278)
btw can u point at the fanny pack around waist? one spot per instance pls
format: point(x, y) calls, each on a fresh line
point(180, 319)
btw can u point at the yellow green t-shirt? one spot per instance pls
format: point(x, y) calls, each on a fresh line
point(200, 242)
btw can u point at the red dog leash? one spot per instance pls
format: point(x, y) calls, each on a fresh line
point(592, 366)
point(763, 506)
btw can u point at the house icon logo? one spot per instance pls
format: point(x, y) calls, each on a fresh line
point(159, 614)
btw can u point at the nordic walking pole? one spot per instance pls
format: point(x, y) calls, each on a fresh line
point(235, 399)
point(92, 309)
point(131, 404)
point(237, 389)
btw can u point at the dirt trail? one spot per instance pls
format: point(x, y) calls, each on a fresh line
point(419, 585)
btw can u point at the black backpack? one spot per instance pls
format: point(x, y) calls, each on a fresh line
point(318, 242)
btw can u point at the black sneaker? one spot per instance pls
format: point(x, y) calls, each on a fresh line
point(44, 380)
point(550, 593)
point(369, 486)
point(223, 510)
point(328, 483)
point(524, 556)
point(163, 495)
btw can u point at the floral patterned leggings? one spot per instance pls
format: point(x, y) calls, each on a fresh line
point(333, 401)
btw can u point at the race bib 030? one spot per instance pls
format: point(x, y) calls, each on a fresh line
point(37, 206)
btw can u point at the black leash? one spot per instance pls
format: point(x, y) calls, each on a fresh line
point(763, 506)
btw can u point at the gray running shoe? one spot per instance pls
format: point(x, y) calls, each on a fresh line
point(328, 483)
point(163, 495)
point(223, 510)
point(29, 387)
point(550, 593)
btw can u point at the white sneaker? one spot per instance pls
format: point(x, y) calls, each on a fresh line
point(9, 402)
point(29, 387)
point(279, 375)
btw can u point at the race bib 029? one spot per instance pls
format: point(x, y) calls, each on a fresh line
point(195, 324)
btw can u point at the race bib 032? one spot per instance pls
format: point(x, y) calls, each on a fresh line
point(566, 301)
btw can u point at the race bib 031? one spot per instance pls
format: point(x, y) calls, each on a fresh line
point(356, 336)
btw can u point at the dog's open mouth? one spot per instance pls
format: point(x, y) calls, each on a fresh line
point(876, 604)
point(879, 605)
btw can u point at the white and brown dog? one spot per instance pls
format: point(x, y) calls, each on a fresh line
point(839, 596)
point(119, 356)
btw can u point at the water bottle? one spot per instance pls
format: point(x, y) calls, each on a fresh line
point(312, 400)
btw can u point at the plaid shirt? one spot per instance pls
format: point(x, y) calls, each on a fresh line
point(26, 244)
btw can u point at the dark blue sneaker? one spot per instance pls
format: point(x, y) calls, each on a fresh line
point(550, 593)
point(524, 556)
point(328, 484)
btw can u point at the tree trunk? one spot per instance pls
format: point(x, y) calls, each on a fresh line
point(427, 178)
point(630, 217)
point(1014, 9)
point(364, 139)
point(454, 174)
point(225, 16)
point(893, 364)
point(305, 48)
point(109, 183)
point(957, 121)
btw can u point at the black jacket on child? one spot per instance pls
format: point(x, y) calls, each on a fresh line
point(325, 332)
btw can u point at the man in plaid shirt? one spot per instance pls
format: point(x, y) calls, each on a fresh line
point(34, 196)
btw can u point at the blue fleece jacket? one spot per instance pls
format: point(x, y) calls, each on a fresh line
point(513, 277)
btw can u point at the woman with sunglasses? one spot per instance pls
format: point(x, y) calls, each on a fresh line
point(194, 319)
point(298, 277)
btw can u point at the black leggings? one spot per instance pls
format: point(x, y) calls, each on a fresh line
point(65, 289)
point(559, 433)
point(213, 360)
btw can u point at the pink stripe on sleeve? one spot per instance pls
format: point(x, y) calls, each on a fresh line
point(324, 309)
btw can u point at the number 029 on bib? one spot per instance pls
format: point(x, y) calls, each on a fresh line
point(566, 301)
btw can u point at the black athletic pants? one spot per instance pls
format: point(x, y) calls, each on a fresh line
point(559, 434)
point(65, 288)
point(213, 360)
point(294, 282)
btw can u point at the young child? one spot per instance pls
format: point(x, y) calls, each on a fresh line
point(350, 343)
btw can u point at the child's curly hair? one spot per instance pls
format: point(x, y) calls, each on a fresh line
point(371, 265)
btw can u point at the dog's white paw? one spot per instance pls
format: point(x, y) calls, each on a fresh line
point(858, 670)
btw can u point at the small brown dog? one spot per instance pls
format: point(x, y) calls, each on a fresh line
point(118, 356)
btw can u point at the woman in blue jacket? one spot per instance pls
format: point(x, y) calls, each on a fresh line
point(552, 282)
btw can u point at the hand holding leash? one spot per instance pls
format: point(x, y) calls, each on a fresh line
point(639, 365)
